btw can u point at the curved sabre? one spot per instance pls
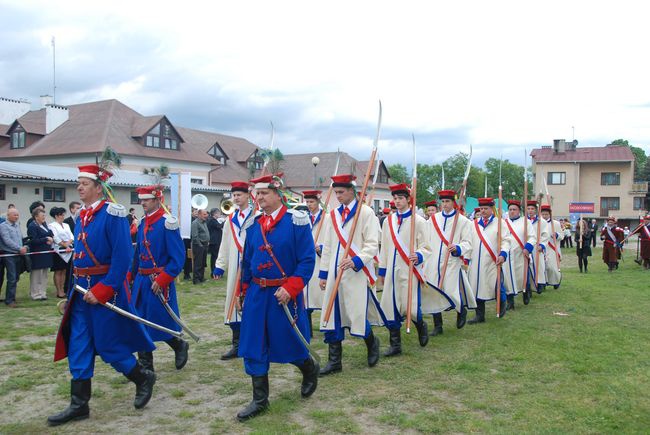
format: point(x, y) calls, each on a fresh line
point(177, 319)
point(132, 316)
point(299, 334)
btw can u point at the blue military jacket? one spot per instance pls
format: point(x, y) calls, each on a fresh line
point(104, 239)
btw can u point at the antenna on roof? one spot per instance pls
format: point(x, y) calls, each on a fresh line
point(53, 71)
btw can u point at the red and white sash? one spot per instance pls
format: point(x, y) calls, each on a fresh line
point(611, 235)
point(402, 249)
point(481, 235)
point(236, 237)
point(514, 234)
point(439, 231)
point(343, 236)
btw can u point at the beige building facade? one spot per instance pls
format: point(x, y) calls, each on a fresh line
point(603, 176)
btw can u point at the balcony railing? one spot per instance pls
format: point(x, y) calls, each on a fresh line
point(639, 187)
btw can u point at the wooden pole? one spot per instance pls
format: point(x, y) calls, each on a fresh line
point(498, 287)
point(414, 189)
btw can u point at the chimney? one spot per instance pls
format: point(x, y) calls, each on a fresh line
point(46, 100)
point(559, 145)
point(10, 110)
point(55, 115)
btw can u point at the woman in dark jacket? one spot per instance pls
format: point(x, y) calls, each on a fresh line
point(583, 244)
point(40, 239)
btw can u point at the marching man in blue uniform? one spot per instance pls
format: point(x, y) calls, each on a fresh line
point(159, 258)
point(278, 261)
point(101, 260)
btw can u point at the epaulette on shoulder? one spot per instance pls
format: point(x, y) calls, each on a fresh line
point(171, 223)
point(299, 217)
point(115, 209)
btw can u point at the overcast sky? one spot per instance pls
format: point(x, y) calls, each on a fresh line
point(501, 75)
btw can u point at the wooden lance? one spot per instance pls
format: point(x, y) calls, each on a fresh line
point(353, 227)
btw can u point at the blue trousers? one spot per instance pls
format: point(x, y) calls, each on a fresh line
point(261, 368)
point(396, 323)
point(81, 348)
point(11, 266)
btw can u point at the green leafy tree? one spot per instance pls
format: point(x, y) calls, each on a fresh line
point(273, 159)
point(640, 160)
point(398, 173)
point(512, 178)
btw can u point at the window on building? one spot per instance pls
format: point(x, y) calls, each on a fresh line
point(610, 178)
point(608, 203)
point(387, 205)
point(14, 190)
point(556, 178)
point(639, 203)
point(218, 153)
point(134, 198)
point(377, 204)
point(196, 180)
point(2, 192)
point(162, 135)
point(17, 138)
point(383, 176)
point(54, 194)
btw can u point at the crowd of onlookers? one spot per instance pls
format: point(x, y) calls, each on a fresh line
point(47, 246)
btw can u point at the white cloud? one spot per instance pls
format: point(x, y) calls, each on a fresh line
point(500, 74)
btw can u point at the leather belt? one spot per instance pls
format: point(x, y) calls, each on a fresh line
point(150, 271)
point(102, 269)
point(267, 282)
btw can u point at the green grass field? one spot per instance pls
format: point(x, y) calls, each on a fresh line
point(574, 360)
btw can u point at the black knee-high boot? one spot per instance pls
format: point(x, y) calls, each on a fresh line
point(580, 259)
point(144, 381)
point(181, 351)
point(480, 313)
point(437, 324)
point(372, 345)
point(234, 350)
point(585, 261)
point(395, 342)
point(260, 402)
point(78, 409)
point(335, 356)
point(146, 360)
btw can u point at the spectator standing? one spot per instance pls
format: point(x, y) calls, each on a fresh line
point(63, 239)
point(40, 240)
point(200, 241)
point(567, 234)
point(11, 242)
point(33, 206)
point(594, 232)
point(73, 207)
point(215, 228)
point(133, 223)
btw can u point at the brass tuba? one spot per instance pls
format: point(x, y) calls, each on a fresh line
point(200, 201)
point(227, 206)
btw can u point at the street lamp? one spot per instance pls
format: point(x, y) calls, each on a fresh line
point(315, 161)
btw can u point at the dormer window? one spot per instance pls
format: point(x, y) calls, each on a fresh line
point(255, 161)
point(218, 153)
point(162, 135)
point(17, 138)
point(383, 176)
